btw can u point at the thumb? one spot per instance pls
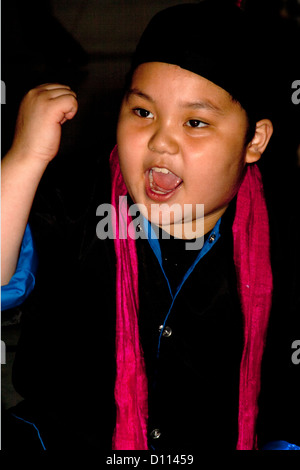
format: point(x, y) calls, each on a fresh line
point(69, 115)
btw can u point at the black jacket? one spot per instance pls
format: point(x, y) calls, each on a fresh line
point(65, 365)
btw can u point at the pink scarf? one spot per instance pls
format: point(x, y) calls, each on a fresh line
point(252, 261)
point(251, 244)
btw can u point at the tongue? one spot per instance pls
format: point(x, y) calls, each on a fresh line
point(166, 181)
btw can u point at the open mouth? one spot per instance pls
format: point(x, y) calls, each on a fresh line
point(161, 182)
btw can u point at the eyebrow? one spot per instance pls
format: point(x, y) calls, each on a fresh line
point(202, 104)
point(199, 104)
point(141, 94)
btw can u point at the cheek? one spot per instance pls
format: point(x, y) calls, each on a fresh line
point(126, 158)
point(129, 144)
point(215, 162)
point(123, 139)
point(215, 175)
point(129, 163)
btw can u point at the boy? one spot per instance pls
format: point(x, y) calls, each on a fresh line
point(191, 126)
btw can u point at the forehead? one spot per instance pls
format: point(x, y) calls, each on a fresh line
point(161, 81)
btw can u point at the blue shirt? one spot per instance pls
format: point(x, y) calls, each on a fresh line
point(23, 280)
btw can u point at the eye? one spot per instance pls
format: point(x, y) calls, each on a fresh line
point(143, 113)
point(196, 123)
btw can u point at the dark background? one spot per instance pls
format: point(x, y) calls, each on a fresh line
point(87, 44)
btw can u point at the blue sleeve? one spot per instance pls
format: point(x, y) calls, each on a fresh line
point(23, 281)
point(280, 445)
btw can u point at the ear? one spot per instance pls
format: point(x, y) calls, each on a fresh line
point(263, 133)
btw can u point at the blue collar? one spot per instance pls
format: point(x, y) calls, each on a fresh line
point(155, 245)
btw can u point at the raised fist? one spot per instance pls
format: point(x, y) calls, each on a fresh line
point(42, 112)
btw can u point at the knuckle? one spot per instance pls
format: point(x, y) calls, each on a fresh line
point(33, 92)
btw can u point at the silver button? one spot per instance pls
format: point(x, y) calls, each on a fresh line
point(167, 331)
point(212, 238)
point(155, 434)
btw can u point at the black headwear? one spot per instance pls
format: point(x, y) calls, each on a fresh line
point(214, 39)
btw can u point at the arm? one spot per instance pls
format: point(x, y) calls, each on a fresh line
point(36, 142)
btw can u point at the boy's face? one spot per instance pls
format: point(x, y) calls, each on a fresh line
point(181, 140)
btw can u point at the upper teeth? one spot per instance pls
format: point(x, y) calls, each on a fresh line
point(160, 170)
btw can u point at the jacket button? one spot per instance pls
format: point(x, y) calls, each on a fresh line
point(167, 331)
point(155, 434)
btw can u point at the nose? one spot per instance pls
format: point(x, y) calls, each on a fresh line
point(163, 140)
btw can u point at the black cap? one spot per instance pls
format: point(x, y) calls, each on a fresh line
point(214, 39)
